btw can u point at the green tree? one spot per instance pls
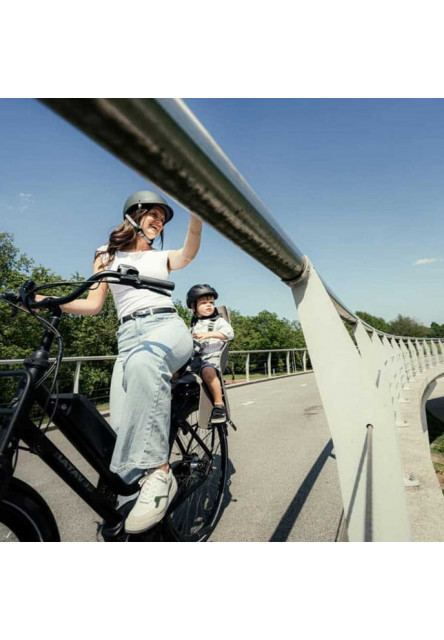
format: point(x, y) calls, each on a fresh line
point(436, 330)
point(374, 321)
point(406, 326)
point(183, 312)
point(18, 335)
point(263, 331)
point(82, 335)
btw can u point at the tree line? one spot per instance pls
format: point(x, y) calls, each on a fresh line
point(403, 326)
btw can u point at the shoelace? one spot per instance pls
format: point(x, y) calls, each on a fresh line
point(149, 486)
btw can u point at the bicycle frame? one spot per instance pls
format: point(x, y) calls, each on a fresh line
point(87, 430)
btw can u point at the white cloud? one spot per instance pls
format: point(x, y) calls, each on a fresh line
point(25, 201)
point(427, 260)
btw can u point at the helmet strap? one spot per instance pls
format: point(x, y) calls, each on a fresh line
point(138, 229)
point(213, 316)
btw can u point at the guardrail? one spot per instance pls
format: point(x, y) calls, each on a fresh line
point(291, 363)
point(269, 371)
point(163, 141)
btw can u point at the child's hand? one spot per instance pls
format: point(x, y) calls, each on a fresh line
point(201, 335)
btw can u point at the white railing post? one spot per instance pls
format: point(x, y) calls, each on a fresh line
point(77, 377)
point(413, 357)
point(398, 369)
point(288, 362)
point(428, 354)
point(269, 364)
point(362, 425)
point(406, 363)
point(434, 352)
point(247, 367)
point(304, 360)
point(420, 349)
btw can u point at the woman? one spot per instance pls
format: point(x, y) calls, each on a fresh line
point(153, 343)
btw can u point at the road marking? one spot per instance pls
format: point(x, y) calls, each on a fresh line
point(244, 403)
point(303, 385)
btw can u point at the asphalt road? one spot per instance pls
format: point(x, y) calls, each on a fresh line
point(284, 484)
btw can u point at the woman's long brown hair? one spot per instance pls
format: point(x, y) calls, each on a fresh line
point(123, 238)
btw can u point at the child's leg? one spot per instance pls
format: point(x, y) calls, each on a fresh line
point(211, 379)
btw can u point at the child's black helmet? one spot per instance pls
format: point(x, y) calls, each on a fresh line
point(199, 290)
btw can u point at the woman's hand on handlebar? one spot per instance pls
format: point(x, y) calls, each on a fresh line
point(89, 306)
point(96, 286)
point(93, 303)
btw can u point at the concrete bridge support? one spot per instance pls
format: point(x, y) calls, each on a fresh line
point(372, 391)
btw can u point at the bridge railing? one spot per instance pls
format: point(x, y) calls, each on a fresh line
point(243, 367)
point(361, 388)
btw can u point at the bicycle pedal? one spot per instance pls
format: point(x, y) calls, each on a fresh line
point(113, 533)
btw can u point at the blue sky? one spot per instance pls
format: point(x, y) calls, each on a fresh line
point(357, 184)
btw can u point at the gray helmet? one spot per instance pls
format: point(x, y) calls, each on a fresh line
point(142, 199)
point(199, 290)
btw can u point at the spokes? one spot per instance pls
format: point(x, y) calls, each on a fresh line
point(200, 457)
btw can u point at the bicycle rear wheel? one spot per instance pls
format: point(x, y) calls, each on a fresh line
point(25, 516)
point(199, 459)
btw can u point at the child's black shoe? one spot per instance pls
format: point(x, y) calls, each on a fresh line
point(218, 415)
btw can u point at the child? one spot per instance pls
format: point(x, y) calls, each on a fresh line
point(210, 331)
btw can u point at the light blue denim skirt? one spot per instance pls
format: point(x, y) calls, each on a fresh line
point(151, 349)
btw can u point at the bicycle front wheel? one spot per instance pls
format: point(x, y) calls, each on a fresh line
point(25, 516)
point(199, 460)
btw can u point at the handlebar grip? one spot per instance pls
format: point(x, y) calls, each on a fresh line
point(156, 282)
point(10, 296)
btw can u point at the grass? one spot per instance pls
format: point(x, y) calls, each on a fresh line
point(103, 406)
point(436, 435)
point(437, 448)
point(439, 469)
point(438, 444)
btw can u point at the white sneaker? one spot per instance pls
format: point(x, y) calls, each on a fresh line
point(158, 488)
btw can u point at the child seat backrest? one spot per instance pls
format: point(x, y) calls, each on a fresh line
point(224, 355)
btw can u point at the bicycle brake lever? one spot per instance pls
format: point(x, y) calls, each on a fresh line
point(127, 270)
point(25, 291)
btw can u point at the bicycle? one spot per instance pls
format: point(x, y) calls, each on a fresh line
point(199, 454)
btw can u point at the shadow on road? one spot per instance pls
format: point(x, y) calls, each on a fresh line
point(227, 495)
point(286, 524)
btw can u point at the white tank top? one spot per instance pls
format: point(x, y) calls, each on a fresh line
point(151, 263)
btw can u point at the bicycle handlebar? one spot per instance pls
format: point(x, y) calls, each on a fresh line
point(124, 276)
